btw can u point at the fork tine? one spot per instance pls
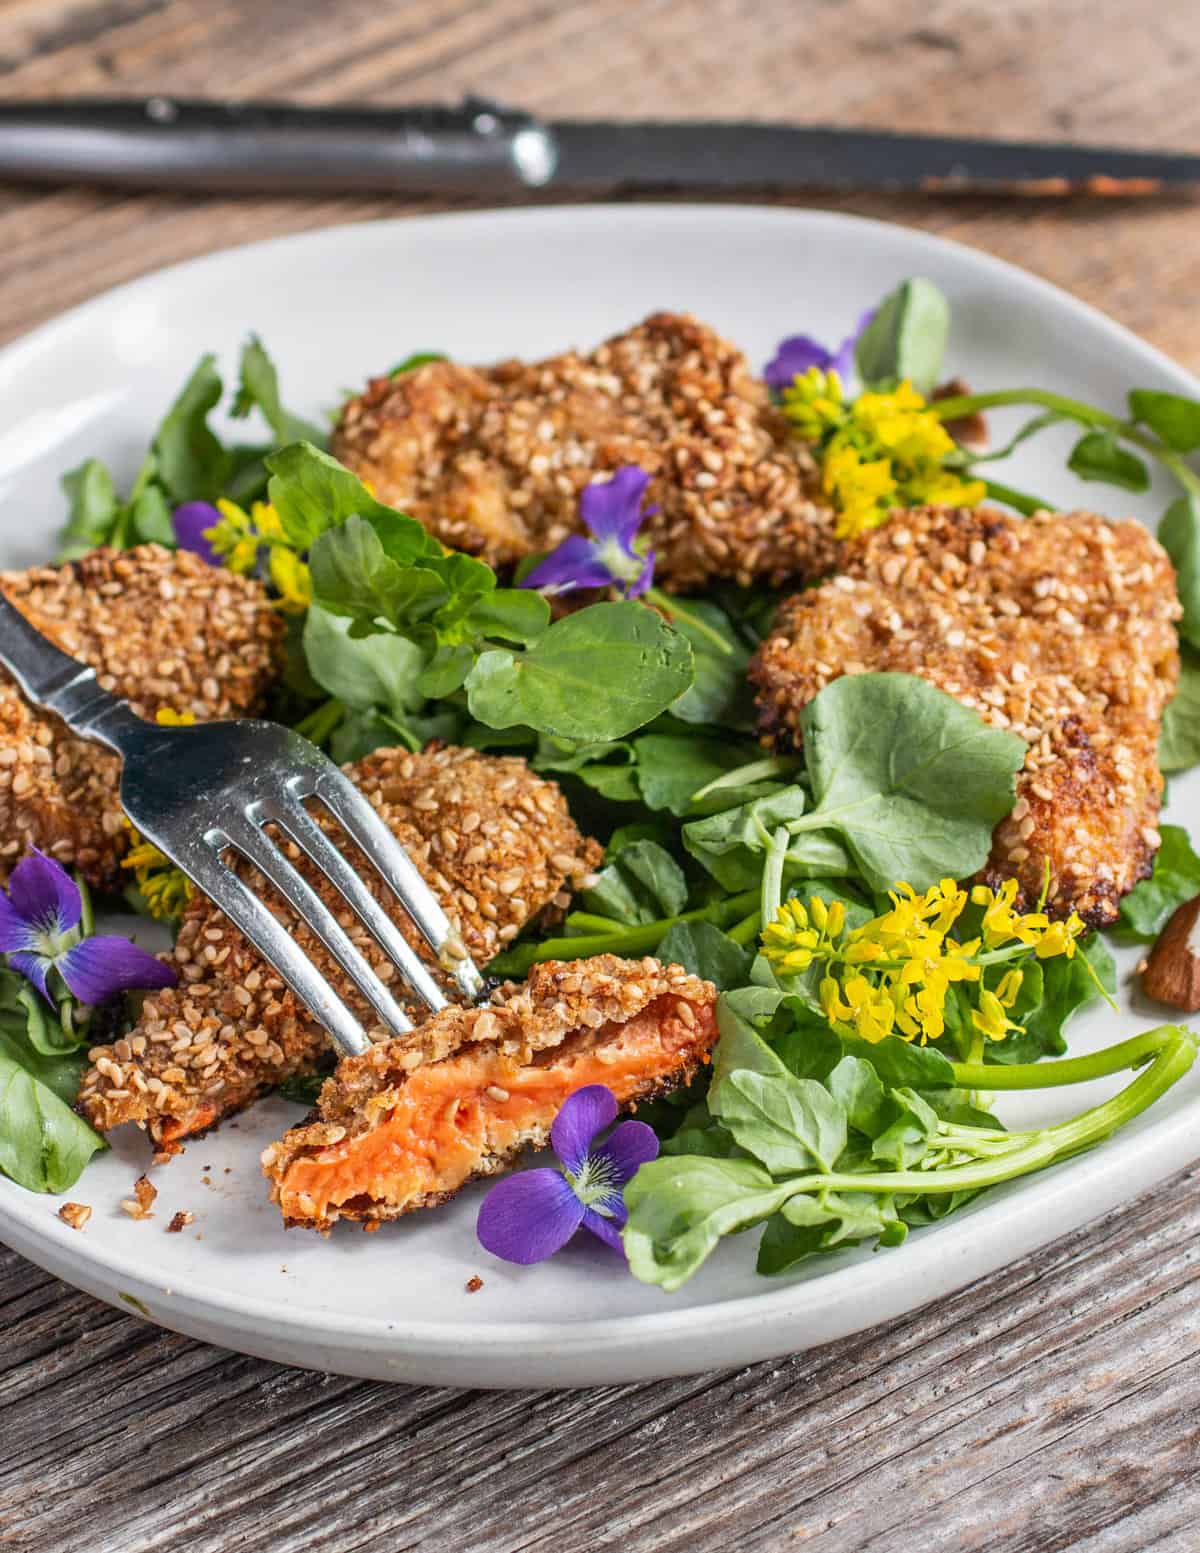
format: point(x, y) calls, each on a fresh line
point(248, 914)
point(360, 822)
point(246, 836)
point(296, 821)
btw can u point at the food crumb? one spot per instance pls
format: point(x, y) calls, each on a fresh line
point(76, 1214)
point(138, 1206)
point(180, 1222)
point(474, 1284)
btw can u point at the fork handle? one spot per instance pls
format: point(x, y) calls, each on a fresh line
point(52, 679)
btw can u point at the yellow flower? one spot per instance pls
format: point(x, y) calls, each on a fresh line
point(240, 535)
point(815, 403)
point(991, 1017)
point(863, 490)
point(165, 889)
point(866, 1009)
point(799, 935)
point(169, 718)
point(292, 580)
point(1059, 938)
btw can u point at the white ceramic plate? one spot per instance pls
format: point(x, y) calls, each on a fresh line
point(334, 307)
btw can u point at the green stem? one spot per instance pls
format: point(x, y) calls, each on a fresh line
point(1067, 1070)
point(1043, 1148)
point(674, 610)
point(745, 931)
point(640, 939)
point(772, 879)
point(1019, 501)
point(321, 721)
point(753, 771)
point(1075, 410)
point(581, 922)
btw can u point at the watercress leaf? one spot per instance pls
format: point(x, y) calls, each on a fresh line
point(855, 1085)
point(191, 462)
point(1172, 417)
point(417, 359)
point(258, 385)
point(705, 951)
point(914, 782)
point(1179, 535)
point(364, 672)
point(312, 492)
point(446, 671)
point(910, 1124)
point(616, 783)
point(720, 692)
point(1051, 992)
point(597, 674)
point(730, 845)
point(352, 574)
point(509, 615)
point(1098, 456)
point(93, 509)
point(900, 1064)
point(679, 1208)
point(28, 1018)
point(670, 768)
point(150, 518)
point(710, 1140)
point(810, 1223)
point(1179, 740)
point(791, 1124)
point(643, 883)
point(906, 338)
point(1176, 878)
point(44, 1145)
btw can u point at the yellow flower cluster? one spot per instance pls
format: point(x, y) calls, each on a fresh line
point(893, 975)
point(239, 537)
point(877, 451)
point(165, 889)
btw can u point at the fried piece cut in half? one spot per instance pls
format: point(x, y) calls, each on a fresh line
point(408, 1123)
point(495, 843)
point(492, 459)
point(1059, 627)
point(161, 628)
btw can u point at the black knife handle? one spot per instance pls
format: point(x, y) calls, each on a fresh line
point(171, 142)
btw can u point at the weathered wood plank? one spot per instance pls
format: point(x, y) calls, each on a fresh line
point(1056, 1405)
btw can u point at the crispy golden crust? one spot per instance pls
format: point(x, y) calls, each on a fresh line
point(1059, 626)
point(494, 841)
point(566, 1014)
point(492, 460)
point(162, 629)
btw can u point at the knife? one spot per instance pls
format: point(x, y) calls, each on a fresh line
point(484, 148)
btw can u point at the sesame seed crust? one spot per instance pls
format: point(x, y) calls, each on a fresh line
point(160, 628)
point(495, 842)
point(492, 460)
point(1059, 627)
point(565, 1010)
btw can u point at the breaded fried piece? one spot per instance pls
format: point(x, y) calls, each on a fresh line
point(495, 842)
point(1058, 626)
point(162, 629)
point(492, 459)
point(410, 1122)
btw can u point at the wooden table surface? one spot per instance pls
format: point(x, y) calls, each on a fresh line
point(1053, 1406)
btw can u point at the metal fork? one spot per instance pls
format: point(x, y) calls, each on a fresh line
point(202, 791)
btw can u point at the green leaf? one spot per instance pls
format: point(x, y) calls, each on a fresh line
point(597, 674)
point(258, 386)
point(1179, 740)
point(913, 781)
point(643, 883)
point(365, 672)
point(312, 492)
point(509, 615)
point(93, 509)
point(705, 951)
point(910, 1125)
point(900, 1064)
point(855, 1085)
point(679, 1208)
point(825, 1221)
point(720, 692)
point(1098, 456)
point(1172, 417)
point(1179, 535)
point(1176, 879)
point(791, 1124)
point(670, 767)
point(150, 519)
point(192, 464)
point(730, 845)
point(1052, 991)
point(906, 338)
point(417, 359)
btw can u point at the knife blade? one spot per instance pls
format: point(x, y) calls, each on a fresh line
point(482, 147)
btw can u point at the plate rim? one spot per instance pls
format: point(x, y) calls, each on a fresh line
point(624, 1337)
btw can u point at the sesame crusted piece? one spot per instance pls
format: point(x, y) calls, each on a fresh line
point(75, 1214)
point(138, 1206)
point(492, 460)
point(409, 1122)
point(496, 844)
point(1059, 627)
point(160, 628)
point(180, 1221)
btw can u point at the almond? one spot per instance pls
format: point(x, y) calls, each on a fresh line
point(1172, 973)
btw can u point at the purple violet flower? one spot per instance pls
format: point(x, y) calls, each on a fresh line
point(529, 1216)
point(191, 521)
point(795, 355)
point(39, 931)
point(612, 510)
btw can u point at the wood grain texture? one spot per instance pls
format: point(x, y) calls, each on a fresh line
point(1056, 1405)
